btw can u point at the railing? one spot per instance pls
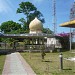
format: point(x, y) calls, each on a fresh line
point(27, 34)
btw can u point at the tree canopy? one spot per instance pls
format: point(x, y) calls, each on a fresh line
point(30, 11)
point(47, 30)
point(10, 27)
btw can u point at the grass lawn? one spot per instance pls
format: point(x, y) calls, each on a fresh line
point(50, 65)
point(2, 61)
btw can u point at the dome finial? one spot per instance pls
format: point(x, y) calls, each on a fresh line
point(36, 18)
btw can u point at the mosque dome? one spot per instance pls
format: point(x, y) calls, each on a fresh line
point(35, 26)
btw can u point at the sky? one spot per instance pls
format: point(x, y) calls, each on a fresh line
point(8, 12)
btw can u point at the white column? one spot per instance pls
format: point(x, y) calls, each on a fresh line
point(36, 41)
point(70, 40)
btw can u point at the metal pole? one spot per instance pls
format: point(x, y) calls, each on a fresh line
point(72, 17)
point(54, 16)
point(70, 40)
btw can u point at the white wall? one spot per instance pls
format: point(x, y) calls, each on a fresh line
point(53, 41)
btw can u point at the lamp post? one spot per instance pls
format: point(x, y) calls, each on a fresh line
point(61, 61)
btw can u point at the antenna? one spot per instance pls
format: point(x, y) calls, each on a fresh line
point(54, 17)
point(72, 12)
point(72, 17)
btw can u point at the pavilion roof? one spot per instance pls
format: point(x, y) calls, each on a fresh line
point(26, 35)
point(68, 24)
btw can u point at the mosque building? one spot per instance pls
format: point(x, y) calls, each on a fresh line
point(35, 39)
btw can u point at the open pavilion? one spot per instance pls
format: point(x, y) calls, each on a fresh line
point(70, 24)
point(34, 39)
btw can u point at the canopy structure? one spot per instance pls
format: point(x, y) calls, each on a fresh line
point(70, 24)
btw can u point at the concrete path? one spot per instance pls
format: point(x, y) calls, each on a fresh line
point(16, 65)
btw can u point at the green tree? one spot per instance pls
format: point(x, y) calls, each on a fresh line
point(47, 30)
point(24, 23)
point(30, 11)
point(10, 27)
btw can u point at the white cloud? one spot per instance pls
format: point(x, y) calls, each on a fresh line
point(4, 6)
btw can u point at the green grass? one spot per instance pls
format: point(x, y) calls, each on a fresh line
point(50, 65)
point(2, 61)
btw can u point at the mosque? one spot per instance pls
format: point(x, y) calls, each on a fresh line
point(35, 39)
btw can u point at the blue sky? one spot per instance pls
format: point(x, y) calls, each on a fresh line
point(8, 11)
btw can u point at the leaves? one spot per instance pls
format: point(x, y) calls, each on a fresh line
point(26, 8)
point(30, 11)
point(10, 26)
point(47, 30)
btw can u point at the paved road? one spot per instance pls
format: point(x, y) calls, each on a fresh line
point(16, 65)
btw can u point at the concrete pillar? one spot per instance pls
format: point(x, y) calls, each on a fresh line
point(70, 39)
point(36, 41)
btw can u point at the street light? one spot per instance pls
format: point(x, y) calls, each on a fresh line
point(61, 61)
